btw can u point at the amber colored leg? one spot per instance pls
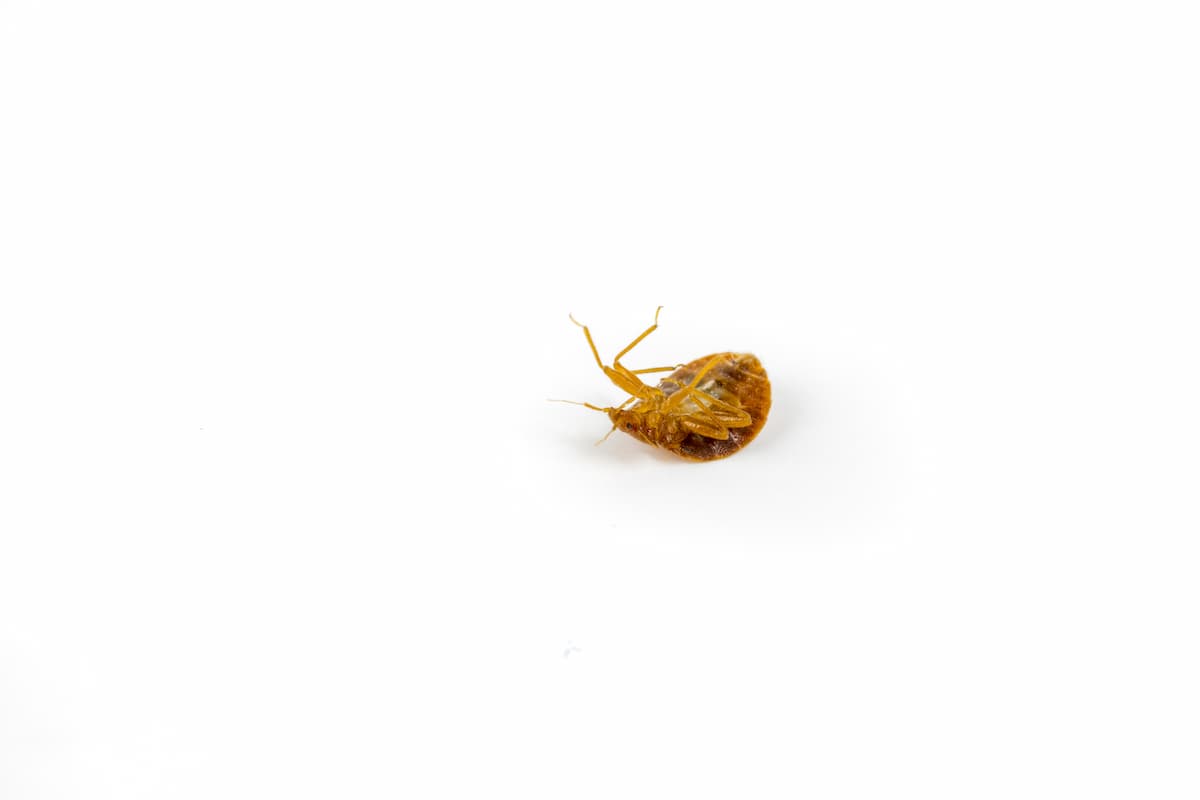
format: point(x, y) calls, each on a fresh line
point(634, 343)
point(591, 344)
point(712, 362)
point(677, 397)
point(728, 415)
point(701, 427)
point(721, 412)
point(625, 379)
point(704, 423)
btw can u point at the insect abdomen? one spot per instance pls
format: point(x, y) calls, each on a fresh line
point(739, 380)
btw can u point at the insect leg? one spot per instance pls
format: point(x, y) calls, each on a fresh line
point(677, 397)
point(695, 423)
point(706, 421)
point(634, 343)
point(720, 411)
point(712, 362)
point(627, 378)
point(591, 344)
point(624, 379)
point(729, 415)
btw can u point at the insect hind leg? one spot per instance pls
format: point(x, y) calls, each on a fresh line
point(687, 389)
point(725, 414)
point(729, 415)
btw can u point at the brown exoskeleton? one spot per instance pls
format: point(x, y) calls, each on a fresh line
point(708, 408)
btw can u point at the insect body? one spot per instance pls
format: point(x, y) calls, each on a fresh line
point(706, 409)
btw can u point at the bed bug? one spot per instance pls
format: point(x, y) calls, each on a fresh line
point(705, 409)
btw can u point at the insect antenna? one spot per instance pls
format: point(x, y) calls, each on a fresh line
point(587, 405)
point(576, 403)
point(604, 438)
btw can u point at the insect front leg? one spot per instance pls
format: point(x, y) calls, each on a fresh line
point(591, 344)
point(625, 379)
point(635, 342)
point(628, 377)
point(630, 383)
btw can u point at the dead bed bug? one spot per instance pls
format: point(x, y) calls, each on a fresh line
point(706, 409)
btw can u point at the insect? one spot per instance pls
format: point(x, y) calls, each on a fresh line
point(706, 409)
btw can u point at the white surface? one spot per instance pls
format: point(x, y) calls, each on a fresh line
point(285, 513)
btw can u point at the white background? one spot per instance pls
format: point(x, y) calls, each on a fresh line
point(284, 511)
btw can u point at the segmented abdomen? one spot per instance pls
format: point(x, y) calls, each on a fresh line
point(737, 379)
